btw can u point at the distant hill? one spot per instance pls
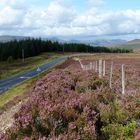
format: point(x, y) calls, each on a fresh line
point(135, 41)
point(112, 42)
point(91, 41)
point(133, 44)
point(7, 38)
point(88, 40)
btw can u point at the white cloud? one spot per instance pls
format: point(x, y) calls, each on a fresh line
point(60, 19)
point(17, 4)
point(10, 16)
point(55, 19)
point(96, 2)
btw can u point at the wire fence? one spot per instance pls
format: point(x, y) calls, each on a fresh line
point(122, 77)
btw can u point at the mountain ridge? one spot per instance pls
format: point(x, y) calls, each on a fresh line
point(93, 42)
point(7, 38)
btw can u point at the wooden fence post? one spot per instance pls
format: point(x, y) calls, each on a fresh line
point(93, 65)
point(84, 67)
point(123, 80)
point(100, 68)
point(90, 65)
point(111, 73)
point(81, 65)
point(104, 67)
point(96, 69)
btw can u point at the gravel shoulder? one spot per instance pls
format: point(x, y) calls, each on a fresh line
point(6, 119)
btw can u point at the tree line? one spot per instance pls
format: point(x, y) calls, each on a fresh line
point(33, 47)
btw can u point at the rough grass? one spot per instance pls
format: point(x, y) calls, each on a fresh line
point(17, 67)
point(18, 90)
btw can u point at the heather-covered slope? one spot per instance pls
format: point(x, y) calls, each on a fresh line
point(73, 104)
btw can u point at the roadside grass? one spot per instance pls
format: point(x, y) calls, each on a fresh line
point(17, 66)
point(22, 88)
point(18, 90)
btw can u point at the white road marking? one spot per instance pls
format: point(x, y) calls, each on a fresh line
point(38, 69)
point(22, 77)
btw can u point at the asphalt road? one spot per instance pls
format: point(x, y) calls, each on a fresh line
point(12, 81)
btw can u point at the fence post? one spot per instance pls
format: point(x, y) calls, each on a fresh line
point(84, 67)
point(81, 65)
point(93, 65)
point(104, 67)
point(100, 68)
point(90, 65)
point(123, 80)
point(111, 73)
point(96, 69)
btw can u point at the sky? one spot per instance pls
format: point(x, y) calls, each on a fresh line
point(43, 18)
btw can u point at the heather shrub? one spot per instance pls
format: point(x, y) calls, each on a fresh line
point(92, 84)
point(52, 118)
point(132, 105)
point(56, 111)
point(116, 131)
point(112, 113)
point(81, 87)
point(117, 122)
point(106, 95)
point(97, 83)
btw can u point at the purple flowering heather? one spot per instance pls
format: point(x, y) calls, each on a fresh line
point(60, 108)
